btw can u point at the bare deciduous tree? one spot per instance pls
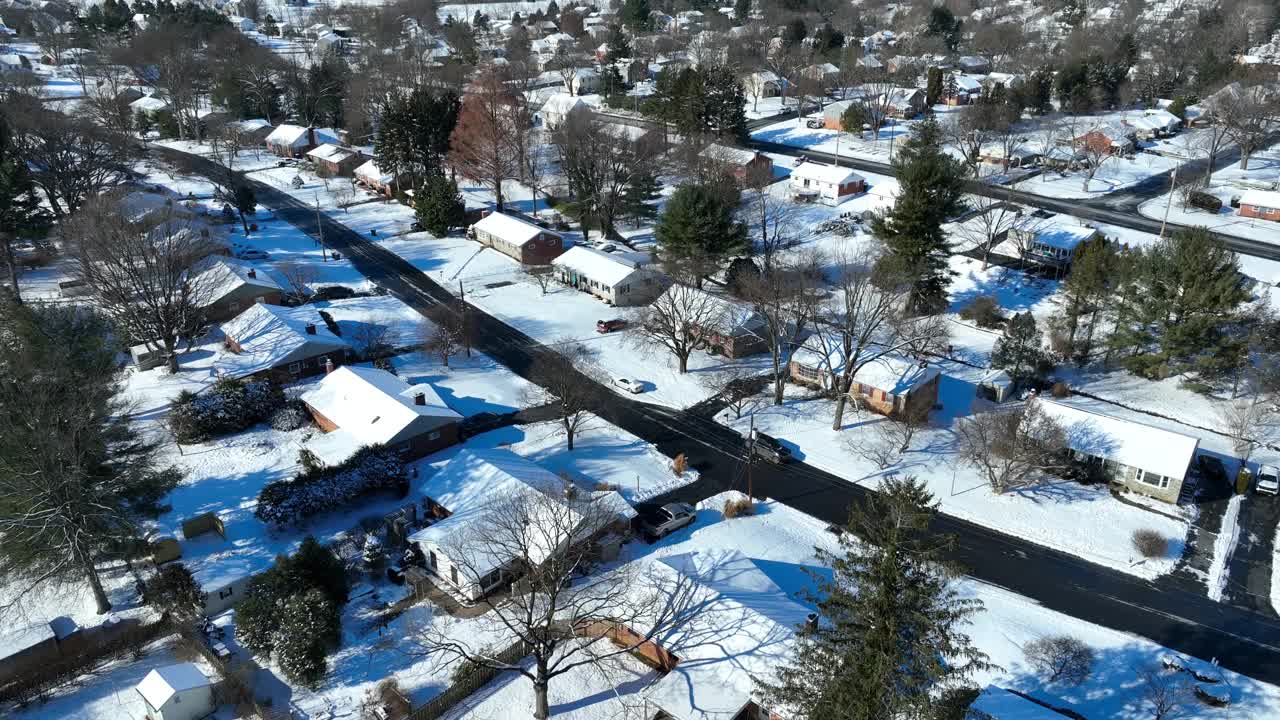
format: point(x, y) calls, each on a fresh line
point(734, 385)
point(889, 439)
point(298, 277)
point(1061, 657)
point(1011, 447)
point(543, 276)
point(1250, 422)
point(772, 216)
point(679, 321)
point(568, 380)
point(1166, 693)
point(1249, 115)
point(71, 159)
point(990, 223)
point(780, 298)
point(441, 338)
point(484, 146)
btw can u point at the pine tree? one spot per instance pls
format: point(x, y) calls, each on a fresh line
point(696, 232)
point(307, 625)
point(932, 188)
point(1019, 350)
point(619, 45)
point(933, 86)
point(1084, 293)
point(890, 638)
point(21, 215)
point(245, 202)
point(439, 206)
point(724, 112)
point(636, 15)
point(175, 590)
point(741, 11)
point(853, 118)
point(639, 197)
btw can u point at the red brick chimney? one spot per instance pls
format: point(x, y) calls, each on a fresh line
point(420, 399)
point(328, 365)
point(252, 273)
point(311, 328)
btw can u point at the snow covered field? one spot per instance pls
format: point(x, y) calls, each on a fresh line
point(1231, 181)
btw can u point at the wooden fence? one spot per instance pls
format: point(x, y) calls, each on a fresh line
point(232, 687)
point(464, 688)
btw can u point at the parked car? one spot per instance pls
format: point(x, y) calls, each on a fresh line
point(252, 255)
point(813, 123)
point(1212, 470)
point(608, 326)
point(631, 385)
point(768, 448)
point(1268, 480)
point(660, 521)
point(482, 423)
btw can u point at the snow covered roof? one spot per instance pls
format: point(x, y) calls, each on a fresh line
point(22, 638)
point(893, 374)
point(252, 125)
point(996, 378)
point(1261, 198)
point(292, 135)
point(728, 154)
point(330, 152)
point(473, 483)
point(833, 174)
point(735, 624)
point(596, 265)
point(1059, 235)
point(1000, 704)
point(730, 316)
point(371, 172)
point(140, 206)
point(764, 76)
point(270, 335)
point(1127, 442)
point(374, 406)
point(148, 103)
point(161, 684)
point(562, 103)
point(509, 227)
point(218, 275)
point(968, 83)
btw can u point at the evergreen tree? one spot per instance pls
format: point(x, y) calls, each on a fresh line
point(933, 86)
point(245, 202)
point(696, 232)
point(175, 590)
point(439, 206)
point(21, 215)
point(724, 112)
point(611, 82)
point(619, 45)
point(1019, 350)
point(308, 624)
point(794, 33)
point(639, 197)
point(854, 117)
point(414, 129)
point(1084, 294)
point(741, 11)
point(943, 24)
point(636, 15)
point(890, 640)
point(932, 187)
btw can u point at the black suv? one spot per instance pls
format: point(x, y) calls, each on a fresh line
point(768, 448)
point(1213, 471)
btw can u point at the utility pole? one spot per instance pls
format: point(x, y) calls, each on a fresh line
point(1173, 185)
point(324, 253)
point(751, 457)
point(465, 323)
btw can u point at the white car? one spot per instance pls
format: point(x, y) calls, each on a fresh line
point(629, 384)
point(253, 255)
point(1268, 480)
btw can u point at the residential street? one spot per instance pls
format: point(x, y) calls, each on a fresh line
point(1242, 640)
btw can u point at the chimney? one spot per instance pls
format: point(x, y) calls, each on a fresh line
point(311, 136)
point(311, 328)
point(328, 365)
point(811, 622)
point(419, 398)
point(252, 273)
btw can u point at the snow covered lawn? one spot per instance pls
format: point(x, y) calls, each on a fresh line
point(1263, 173)
point(1081, 520)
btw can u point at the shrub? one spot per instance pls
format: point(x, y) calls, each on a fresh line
point(290, 417)
point(321, 489)
point(1204, 201)
point(740, 507)
point(333, 292)
point(229, 406)
point(984, 311)
point(1150, 543)
point(1061, 389)
point(1060, 658)
point(954, 703)
point(175, 590)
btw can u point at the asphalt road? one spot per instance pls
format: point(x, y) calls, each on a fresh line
point(1189, 622)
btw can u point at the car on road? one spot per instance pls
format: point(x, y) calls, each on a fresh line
point(655, 522)
point(608, 326)
point(813, 123)
point(483, 422)
point(608, 247)
point(768, 448)
point(1268, 480)
point(631, 385)
point(1212, 471)
point(252, 255)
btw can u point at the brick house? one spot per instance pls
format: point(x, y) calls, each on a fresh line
point(1107, 139)
point(375, 178)
point(510, 235)
point(890, 385)
point(281, 343)
point(338, 160)
point(359, 406)
point(739, 163)
point(225, 286)
point(1260, 204)
point(732, 328)
point(294, 141)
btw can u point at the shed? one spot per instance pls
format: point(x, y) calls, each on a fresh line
point(177, 692)
point(996, 385)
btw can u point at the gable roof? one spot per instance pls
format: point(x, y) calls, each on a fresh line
point(373, 406)
point(1131, 443)
point(161, 684)
point(730, 316)
point(599, 266)
point(371, 172)
point(510, 228)
point(1059, 235)
point(270, 335)
point(218, 276)
point(1261, 198)
point(728, 154)
point(833, 174)
point(291, 135)
point(331, 153)
point(893, 374)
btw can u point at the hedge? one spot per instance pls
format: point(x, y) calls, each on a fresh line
point(229, 406)
point(321, 489)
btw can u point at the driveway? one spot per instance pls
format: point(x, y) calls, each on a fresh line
point(1249, 575)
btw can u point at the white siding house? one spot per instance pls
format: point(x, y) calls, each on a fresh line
point(613, 279)
point(827, 184)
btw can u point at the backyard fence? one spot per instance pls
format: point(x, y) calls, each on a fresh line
point(471, 682)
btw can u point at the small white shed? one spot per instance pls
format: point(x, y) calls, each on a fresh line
point(177, 692)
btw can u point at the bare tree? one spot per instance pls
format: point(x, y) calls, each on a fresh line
point(772, 216)
point(170, 58)
point(1011, 447)
point(344, 196)
point(560, 610)
point(1208, 142)
point(298, 277)
point(867, 321)
point(543, 275)
point(142, 276)
point(1166, 693)
point(890, 439)
point(1249, 116)
point(1061, 657)
point(1250, 422)
point(71, 159)
point(735, 385)
point(441, 338)
point(598, 161)
point(679, 321)
point(484, 146)
point(1049, 131)
point(1091, 146)
point(568, 380)
point(779, 299)
point(990, 223)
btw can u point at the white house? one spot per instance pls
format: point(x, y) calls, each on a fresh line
point(148, 105)
point(584, 81)
point(611, 278)
point(556, 109)
point(1143, 458)
point(177, 692)
point(1053, 244)
point(762, 83)
point(243, 24)
point(476, 483)
point(827, 184)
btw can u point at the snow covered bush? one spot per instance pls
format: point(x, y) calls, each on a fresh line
point(290, 417)
point(229, 406)
point(321, 489)
point(1150, 543)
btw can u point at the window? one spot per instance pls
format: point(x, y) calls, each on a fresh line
point(295, 368)
point(434, 563)
point(453, 575)
point(1149, 478)
point(435, 435)
point(225, 593)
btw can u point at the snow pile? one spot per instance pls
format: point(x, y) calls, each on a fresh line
point(1224, 546)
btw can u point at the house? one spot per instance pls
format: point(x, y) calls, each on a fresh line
point(476, 483)
point(149, 105)
point(996, 385)
point(14, 63)
point(961, 89)
point(1007, 81)
point(251, 132)
point(359, 406)
point(518, 238)
point(740, 163)
point(822, 73)
point(1143, 458)
point(1152, 124)
point(762, 84)
point(890, 385)
point(294, 141)
point(243, 24)
point(1051, 244)
point(1107, 139)
point(906, 103)
point(337, 160)
point(730, 328)
point(1009, 157)
point(1260, 204)
point(611, 278)
point(584, 81)
point(973, 64)
point(827, 184)
point(996, 703)
point(557, 108)
point(177, 692)
point(375, 178)
point(872, 63)
point(733, 625)
point(223, 286)
point(281, 343)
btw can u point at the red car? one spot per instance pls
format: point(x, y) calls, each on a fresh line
point(608, 326)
